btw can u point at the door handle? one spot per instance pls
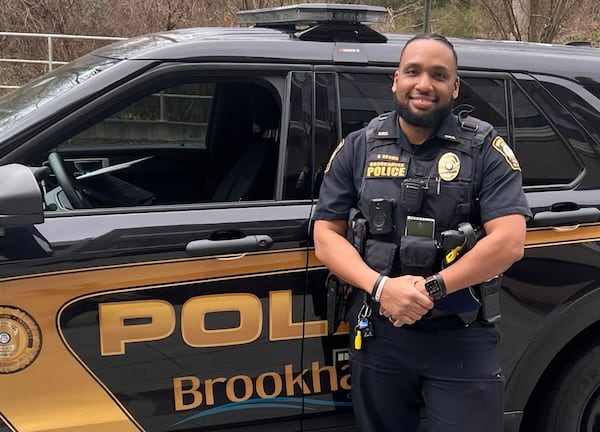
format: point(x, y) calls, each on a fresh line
point(567, 217)
point(251, 243)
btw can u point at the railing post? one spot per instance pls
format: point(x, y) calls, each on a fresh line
point(49, 60)
point(49, 53)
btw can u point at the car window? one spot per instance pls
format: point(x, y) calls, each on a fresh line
point(485, 98)
point(531, 134)
point(363, 97)
point(206, 141)
point(297, 176)
point(545, 158)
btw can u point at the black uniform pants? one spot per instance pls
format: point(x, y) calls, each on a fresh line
point(450, 370)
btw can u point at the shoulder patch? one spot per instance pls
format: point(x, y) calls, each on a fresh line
point(335, 152)
point(501, 147)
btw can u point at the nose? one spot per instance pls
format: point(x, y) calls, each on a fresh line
point(424, 82)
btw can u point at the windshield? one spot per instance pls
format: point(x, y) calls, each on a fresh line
point(44, 89)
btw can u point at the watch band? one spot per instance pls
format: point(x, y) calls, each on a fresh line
point(435, 286)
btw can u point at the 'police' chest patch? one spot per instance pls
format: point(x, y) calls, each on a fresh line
point(385, 166)
point(448, 166)
point(500, 145)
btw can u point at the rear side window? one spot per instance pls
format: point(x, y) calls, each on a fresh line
point(581, 108)
point(529, 127)
point(485, 98)
point(541, 137)
point(542, 148)
point(363, 97)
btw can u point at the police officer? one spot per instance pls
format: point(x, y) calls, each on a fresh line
point(411, 175)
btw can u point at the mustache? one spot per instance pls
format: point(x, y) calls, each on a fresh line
point(430, 120)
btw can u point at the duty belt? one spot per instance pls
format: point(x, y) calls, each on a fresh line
point(465, 317)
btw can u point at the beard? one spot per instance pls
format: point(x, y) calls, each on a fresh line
point(429, 120)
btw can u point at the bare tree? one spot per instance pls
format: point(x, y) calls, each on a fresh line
point(532, 20)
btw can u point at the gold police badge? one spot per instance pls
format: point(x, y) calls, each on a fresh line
point(448, 166)
point(500, 145)
point(20, 339)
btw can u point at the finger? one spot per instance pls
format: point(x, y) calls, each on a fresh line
point(424, 302)
point(411, 318)
point(404, 320)
point(419, 310)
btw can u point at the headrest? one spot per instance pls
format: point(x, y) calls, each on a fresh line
point(265, 109)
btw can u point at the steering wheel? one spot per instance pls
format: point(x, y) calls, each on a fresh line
point(65, 180)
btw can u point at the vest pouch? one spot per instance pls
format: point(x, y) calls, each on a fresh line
point(380, 255)
point(418, 255)
point(452, 205)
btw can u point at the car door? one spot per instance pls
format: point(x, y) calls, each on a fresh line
point(346, 98)
point(165, 291)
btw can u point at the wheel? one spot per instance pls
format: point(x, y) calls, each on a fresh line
point(572, 403)
point(65, 180)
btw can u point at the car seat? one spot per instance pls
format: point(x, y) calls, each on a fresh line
point(252, 175)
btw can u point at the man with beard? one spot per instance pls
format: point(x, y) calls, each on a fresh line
point(419, 338)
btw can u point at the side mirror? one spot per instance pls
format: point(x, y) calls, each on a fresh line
point(21, 201)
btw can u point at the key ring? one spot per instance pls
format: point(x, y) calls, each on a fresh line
point(365, 311)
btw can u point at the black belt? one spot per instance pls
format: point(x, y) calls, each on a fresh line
point(465, 317)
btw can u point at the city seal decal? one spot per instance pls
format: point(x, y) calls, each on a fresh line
point(20, 339)
point(500, 145)
point(448, 166)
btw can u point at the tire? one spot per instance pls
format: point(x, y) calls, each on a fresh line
point(572, 402)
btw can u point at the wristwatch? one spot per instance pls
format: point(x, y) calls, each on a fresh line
point(435, 286)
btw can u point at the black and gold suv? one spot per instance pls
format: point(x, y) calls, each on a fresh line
point(156, 266)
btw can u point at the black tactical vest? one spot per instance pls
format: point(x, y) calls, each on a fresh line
point(449, 180)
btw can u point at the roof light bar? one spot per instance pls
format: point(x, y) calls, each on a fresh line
point(313, 13)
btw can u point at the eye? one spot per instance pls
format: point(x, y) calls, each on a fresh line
point(411, 72)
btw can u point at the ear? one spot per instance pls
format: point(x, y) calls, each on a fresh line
point(394, 81)
point(455, 88)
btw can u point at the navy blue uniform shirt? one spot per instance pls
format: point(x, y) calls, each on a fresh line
point(501, 192)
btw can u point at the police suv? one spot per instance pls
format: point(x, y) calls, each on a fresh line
point(156, 266)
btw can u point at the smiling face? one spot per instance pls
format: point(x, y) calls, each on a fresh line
point(425, 84)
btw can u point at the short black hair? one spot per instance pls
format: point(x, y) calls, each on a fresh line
point(431, 36)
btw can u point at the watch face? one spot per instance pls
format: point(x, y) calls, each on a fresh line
point(433, 288)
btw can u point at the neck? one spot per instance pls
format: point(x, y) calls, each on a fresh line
point(415, 135)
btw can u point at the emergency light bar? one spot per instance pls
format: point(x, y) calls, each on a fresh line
point(312, 13)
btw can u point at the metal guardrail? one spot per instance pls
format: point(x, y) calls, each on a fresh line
point(50, 37)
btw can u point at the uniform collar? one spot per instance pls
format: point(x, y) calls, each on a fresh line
point(449, 130)
point(390, 128)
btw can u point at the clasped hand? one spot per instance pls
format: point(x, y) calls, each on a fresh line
point(404, 300)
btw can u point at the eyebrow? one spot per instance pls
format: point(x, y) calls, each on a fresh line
point(434, 67)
